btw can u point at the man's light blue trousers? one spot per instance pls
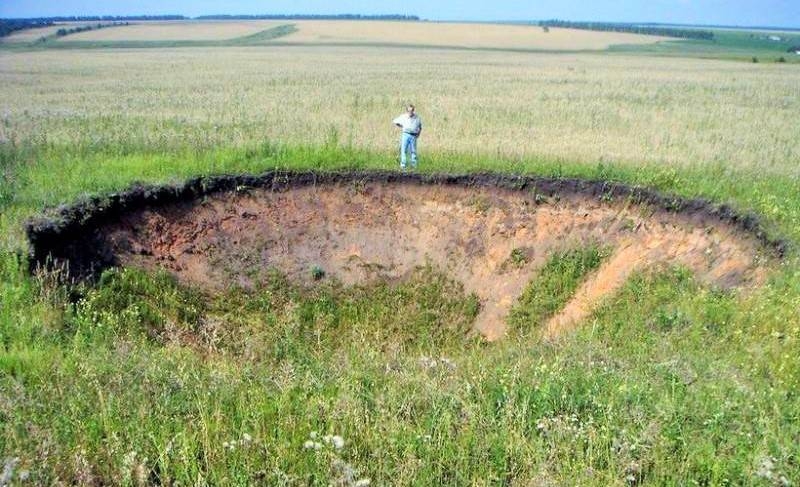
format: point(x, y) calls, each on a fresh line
point(408, 144)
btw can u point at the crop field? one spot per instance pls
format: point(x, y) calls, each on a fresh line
point(455, 35)
point(360, 332)
point(175, 31)
point(459, 35)
point(32, 35)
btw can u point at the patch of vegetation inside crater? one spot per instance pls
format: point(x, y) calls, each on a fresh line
point(279, 319)
point(554, 285)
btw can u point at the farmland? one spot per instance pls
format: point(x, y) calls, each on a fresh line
point(33, 35)
point(176, 31)
point(141, 378)
point(459, 35)
point(375, 32)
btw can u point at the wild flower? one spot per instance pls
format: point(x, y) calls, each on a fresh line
point(312, 445)
point(338, 442)
point(765, 468)
point(9, 464)
point(431, 363)
point(243, 442)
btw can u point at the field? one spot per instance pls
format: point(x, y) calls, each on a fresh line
point(33, 35)
point(469, 36)
point(459, 35)
point(174, 31)
point(141, 378)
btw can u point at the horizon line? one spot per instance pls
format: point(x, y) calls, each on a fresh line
point(418, 19)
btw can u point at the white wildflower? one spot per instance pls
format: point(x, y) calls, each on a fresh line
point(362, 483)
point(9, 464)
point(346, 472)
point(765, 468)
point(338, 442)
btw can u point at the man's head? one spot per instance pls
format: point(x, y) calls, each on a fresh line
point(410, 109)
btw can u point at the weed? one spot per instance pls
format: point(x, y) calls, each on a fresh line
point(553, 285)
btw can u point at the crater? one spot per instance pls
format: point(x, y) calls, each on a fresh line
point(491, 233)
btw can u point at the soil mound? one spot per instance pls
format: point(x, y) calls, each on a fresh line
point(490, 237)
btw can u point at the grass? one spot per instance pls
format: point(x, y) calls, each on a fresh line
point(139, 379)
point(727, 44)
point(588, 109)
point(669, 381)
point(664, 385)
point(552, 287)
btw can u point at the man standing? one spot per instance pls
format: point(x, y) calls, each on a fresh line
point(411, 126)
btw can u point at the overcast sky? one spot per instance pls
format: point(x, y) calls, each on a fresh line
point(784, 13)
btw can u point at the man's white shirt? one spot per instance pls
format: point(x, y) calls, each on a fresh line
point(411, 125)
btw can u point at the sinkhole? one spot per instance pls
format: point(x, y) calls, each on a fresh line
point(489, 232)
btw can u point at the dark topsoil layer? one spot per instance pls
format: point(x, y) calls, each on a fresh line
point(72, 235)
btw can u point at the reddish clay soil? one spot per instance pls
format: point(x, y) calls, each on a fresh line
point(361, 232)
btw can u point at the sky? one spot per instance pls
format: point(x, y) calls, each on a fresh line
point(779, 13)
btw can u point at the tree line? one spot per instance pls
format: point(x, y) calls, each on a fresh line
point(632, 28)
point(83, 28)
point(97, 18)
point(8, 26)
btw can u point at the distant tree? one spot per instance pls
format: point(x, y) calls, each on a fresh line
point(83, 28)
point(545, 28)
point(9, 26)
point(755, 59)
point(781, 59)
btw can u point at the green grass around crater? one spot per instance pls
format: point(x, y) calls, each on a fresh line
point(138, 379)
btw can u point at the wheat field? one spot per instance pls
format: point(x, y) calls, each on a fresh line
point(462, 35)
point(468, 35)
point(195, 30)
point(31, 35)
point(584, 108)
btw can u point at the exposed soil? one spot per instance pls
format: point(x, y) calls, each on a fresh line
point(491, 232)
point(491, 239)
